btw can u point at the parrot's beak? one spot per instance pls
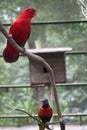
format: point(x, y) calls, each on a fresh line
point(41, 104)
point(35, 14)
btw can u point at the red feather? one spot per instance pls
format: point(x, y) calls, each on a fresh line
point(20, 31)
point(45, 112)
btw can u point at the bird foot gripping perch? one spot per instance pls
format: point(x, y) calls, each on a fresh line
point(40, 123)
point(36, 119)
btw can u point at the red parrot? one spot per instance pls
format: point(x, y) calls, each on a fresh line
point(45, 112)
point(20, 31)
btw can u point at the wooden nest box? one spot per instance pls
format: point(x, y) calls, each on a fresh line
point(55, 57)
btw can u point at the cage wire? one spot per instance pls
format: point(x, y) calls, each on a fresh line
point(83, 7)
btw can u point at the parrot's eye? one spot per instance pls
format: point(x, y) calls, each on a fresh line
point(32, 10)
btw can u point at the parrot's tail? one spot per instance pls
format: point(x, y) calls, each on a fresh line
point(41, 127)
point(10, 58)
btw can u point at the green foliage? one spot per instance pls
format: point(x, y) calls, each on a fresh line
point(73, 100)
point(76, 68)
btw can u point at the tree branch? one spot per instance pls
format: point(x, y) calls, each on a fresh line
point(39, 121)
point(44, 63)
point(81, 3)
point(83, 8)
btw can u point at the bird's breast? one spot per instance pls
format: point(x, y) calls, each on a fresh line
point(45, 112)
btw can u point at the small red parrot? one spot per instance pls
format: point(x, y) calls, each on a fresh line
point(45, 112)
point(20, 31)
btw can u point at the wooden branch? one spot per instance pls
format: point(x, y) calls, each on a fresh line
point(81, 3)
point(83, 8)
point(39, 121)
point(17, 109)
point(44, 63)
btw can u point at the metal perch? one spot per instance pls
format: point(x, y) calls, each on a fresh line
point(44, 63)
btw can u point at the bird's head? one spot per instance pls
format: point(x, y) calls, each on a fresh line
point(44, 102)
point(28, 12)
